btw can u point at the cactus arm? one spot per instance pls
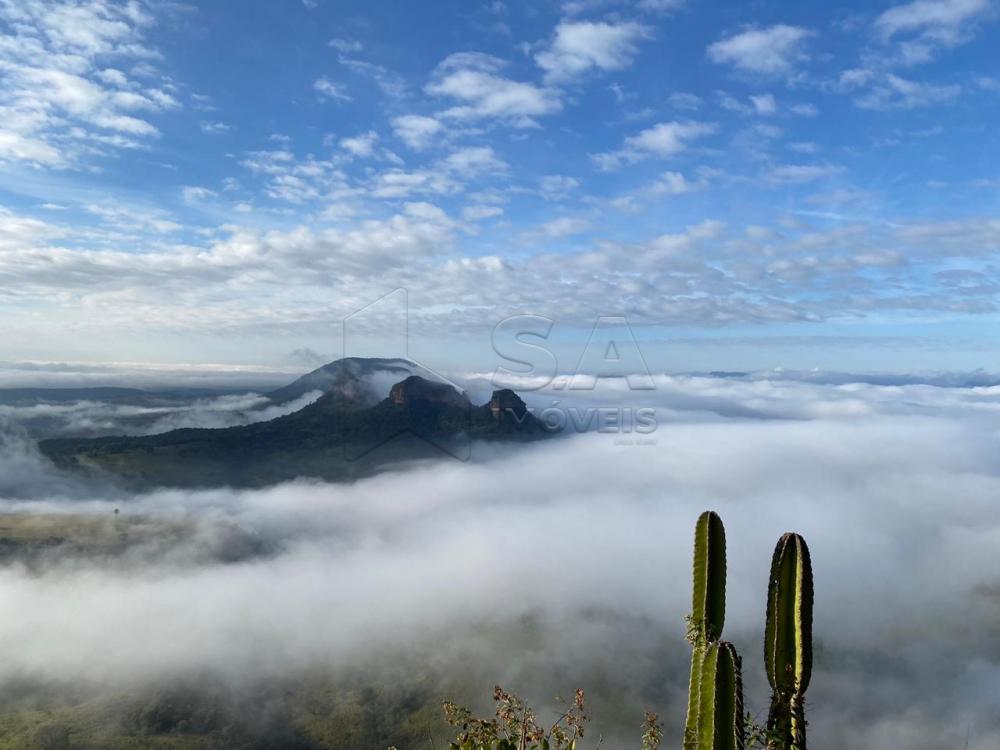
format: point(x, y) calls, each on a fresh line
point(708, 605)
point(694, 687)
point(788, 639)
point(803, 616)
point(694, 690)
point(720, 715)
point(708, 608)
point(788, 630)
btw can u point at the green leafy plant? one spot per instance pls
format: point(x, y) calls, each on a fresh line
point(652, 732)
point(514, 726)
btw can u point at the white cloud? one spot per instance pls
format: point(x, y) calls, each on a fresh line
point(869, 475)
point(668, 139)
point(390, 83)
point(675, 183)
point(417, 131)
point(774, 50)
point(306, 279)
point(125, 218)
point(556, 187)
point(193, 194)
point(895, 92)
point(684, 100)
point(580, 46)
point(346, 46)
point(19, 147)
point(61, 103)
point(854, 77)
point(479, 213)
point(472, 161)
point(444, 177)
point(764, 104)
point(474, 79)
point(660, 5)
point(298, 181)
point(880, 90)
point(928, 25)
point(361, 146)
point(113, 77)
point(399, 183)
point(804, 110)
point(663, 140)
point(564, 226)
point(793, 174)
point(330, 90)
point(805, 147)
point(213, 128)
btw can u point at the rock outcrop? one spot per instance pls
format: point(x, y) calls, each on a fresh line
point(416, 388)
point(507, 403)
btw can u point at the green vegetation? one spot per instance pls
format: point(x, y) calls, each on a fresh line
point(36, 539)
point(205, 715)
point(708, 609)
point(720, 723)
point(788, 641)
point(403, 710)
point(715, 694)
point(514, 726)
point(715, 719)
point(37, 536)
point(336, 438)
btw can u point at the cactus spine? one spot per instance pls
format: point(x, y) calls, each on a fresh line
point(716, 686)
point(788, 641)
point(720, 715)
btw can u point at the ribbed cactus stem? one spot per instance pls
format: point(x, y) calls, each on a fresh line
point(708, 608)
point(694, 685)
point(720, 715)
point(708, 601)
point(788, 641)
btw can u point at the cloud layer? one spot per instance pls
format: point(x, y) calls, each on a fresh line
point(892, 487)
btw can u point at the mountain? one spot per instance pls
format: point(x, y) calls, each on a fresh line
point(342, 435)
point(355, 378)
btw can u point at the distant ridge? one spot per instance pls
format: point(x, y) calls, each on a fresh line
point(350, 377)
point(357, 426)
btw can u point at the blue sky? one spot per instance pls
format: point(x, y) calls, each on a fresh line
point(751, 185)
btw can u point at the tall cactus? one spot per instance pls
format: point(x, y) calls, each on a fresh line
point(708, 601)
point(788, 641)
point(708, 608)
point(720, 715)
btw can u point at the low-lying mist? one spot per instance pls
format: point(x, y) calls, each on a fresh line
point(567, 564)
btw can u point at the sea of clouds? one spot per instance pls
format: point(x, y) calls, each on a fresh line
point(567, 563)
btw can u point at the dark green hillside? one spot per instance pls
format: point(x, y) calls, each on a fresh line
point(335, 438)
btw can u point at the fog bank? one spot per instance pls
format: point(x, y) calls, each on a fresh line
point(893, 487)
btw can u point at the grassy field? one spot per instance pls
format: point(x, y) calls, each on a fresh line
point(306, 716)
point(49, 538)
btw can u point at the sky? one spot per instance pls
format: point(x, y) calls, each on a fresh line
point(749, 186)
